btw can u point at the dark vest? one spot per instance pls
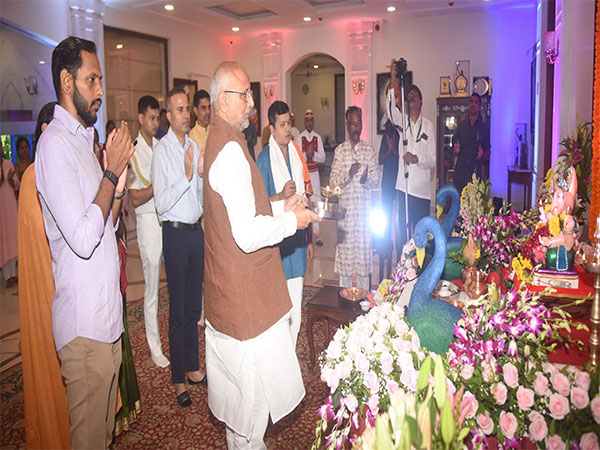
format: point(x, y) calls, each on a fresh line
point(244, 293)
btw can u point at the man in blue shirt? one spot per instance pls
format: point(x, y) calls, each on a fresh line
point(281, 166)
point(177, 179)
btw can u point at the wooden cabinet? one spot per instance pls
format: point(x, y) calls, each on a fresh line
point(450, 112)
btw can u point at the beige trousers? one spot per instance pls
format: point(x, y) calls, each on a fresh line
point(91, 372)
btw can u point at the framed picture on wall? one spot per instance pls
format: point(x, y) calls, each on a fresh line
point(383, 85)
point(190, 87)
point(255, 88)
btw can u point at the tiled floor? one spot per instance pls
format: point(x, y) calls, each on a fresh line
point(319, 272)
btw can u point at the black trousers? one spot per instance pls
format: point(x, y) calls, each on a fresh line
point(183, 252)
point(417, 209)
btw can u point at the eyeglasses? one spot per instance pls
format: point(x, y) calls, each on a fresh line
point(247, 93)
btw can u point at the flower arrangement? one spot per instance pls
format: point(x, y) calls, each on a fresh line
point(412, 418)
point(576, 152)
point(501, 357)
point(499, 237)
point(365, 363)
point(406, 270)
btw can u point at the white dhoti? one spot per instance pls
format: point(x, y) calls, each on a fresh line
point(250, 380)
point(295, 286)
point(150, 244)
point(315, 180)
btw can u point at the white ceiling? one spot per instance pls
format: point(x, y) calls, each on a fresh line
point(258, 16)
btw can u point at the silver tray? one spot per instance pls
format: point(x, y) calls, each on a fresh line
point(328, 210)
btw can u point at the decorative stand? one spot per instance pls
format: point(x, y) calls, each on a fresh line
point(593, 266)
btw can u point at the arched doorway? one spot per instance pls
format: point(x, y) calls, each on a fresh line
point(317, 83)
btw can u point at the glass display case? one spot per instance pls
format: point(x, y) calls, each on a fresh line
point(450, 112)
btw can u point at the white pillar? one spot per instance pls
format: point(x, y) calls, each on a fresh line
point(360, 77)
point(270, 48)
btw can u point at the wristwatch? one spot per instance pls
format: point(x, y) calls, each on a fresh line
point(114, 179)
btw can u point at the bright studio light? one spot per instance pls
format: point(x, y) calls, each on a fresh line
point(378, 221)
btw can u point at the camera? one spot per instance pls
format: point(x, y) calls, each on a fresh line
point(401, 67)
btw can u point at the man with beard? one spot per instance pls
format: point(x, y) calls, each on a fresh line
point(471, 145)
point(178, 197)
point(250, 356)
point(199, 133)
point(147, 225)
point(80, 206)
point(281, 165)
point(312, 146)
point(355, 169)
point(418, 160)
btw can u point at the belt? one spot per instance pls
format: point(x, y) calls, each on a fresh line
point(183, 225)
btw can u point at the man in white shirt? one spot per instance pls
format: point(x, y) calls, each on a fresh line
point(312, 146)
point(147, 224)
point(251, 361)
point(418, 160)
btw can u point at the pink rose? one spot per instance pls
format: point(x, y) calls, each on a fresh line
point(525, 398)
point(579, 397)
point(392, 387)
point(508, 424)
point(589, 441)
point(583, 380)
point(373, 404)
point(329, 376)
point(485, 423)
point(540, 385)
point(387, 363)
point(538, 429)
point(499, 391)
point(596, 409)
point(469, 405)
point(334, 351)
point(559, 406)
point(560, 383)
point(409, 378)
point(372, 381)
point(511, 375)
point(410, 274)
point(351, 403)
point(554, 442)
point(467, 371)
point(362, 363)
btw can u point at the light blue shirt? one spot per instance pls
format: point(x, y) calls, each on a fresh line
point(85, 264)
point(176, 198)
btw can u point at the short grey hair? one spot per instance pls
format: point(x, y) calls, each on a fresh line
point(221, 77)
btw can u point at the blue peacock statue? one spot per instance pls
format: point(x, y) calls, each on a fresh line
point(452, 269)
point(433, 319)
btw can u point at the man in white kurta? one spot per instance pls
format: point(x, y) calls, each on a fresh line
point(252, 379)
point(149, 233)
point(418, 160)
point(314, 153)
point(355, 169)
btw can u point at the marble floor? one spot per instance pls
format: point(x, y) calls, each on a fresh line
point(319, 272)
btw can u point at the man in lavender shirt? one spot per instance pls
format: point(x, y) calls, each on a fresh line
point(80, 207)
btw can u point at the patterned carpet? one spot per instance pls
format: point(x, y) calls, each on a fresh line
point(162, 424)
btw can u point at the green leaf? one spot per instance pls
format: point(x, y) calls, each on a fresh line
point(439, 382)
point(447, 423)
point(462, 434)
point(424, 374)
point(382, 430)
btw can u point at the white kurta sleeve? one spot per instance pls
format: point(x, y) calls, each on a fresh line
point(230, 177)
point(427, 157)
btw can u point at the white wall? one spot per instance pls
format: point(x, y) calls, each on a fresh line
point(320, 86)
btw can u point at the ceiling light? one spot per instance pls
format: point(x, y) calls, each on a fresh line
point(119, 46)
point(235, 28)
point(307, 19)
point(169, 7)
point(42, 62)
point(316, 66)
point(391, 8)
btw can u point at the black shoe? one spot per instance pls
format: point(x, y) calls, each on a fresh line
point(184, 399)
point(203, 381)
point(319, 243)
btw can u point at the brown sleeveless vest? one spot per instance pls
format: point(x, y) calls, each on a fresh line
point(244, 293)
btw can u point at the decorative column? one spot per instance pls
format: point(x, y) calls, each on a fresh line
point(87, 22)
point(359, 36)
point(270, 48)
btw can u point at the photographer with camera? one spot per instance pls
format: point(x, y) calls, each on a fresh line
point(416, 150)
